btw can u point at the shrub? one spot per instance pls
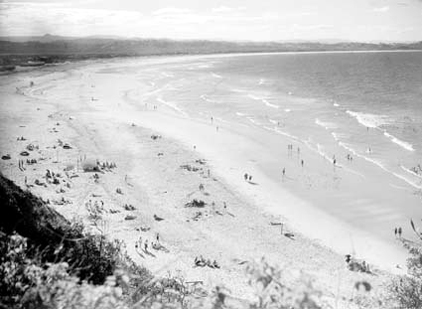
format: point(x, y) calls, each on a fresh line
point(272, 292)
point(407, 290)
point(55, 288)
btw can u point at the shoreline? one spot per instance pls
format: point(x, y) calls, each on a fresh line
point(269, 195)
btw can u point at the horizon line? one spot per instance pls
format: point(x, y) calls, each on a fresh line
point(124, 38)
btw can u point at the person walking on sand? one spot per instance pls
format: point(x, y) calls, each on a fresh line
point(146, 245)
point(395, 232)
point(284, 172)
point(302, 162)
point(246, 176)
point(250, 178)
point(399, 231)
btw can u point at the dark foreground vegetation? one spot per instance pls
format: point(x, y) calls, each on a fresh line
point(48, 262)
point(38, 51)
point(407, 290)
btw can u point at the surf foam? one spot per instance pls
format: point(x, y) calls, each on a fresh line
point(399, 142)
point(325, 125)
point(369, 120)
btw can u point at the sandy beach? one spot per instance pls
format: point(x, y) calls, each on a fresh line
point(165, 158)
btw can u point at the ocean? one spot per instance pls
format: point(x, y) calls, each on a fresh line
point(368, 104)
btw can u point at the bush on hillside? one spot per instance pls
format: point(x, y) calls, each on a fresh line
point(34, 238)
point(407, 290)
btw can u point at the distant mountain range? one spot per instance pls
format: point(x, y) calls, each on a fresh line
point(51, 48)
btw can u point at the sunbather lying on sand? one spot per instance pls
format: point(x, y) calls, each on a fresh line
point(201, 262)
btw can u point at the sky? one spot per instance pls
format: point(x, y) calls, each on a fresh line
point(234, 20)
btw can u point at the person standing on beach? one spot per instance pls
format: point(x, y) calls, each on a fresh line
point(246, 176)
point(302, 162)
point(400, 231)
point(395, 232)
point(250, 177)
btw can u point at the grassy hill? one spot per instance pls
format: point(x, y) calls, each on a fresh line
point(48, 48)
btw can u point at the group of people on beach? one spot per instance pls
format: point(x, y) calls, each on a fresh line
point(247, 177)
point(357, 265)
point(201, 262)
point(21, 165)
point(154, 245)
point(398, 232)
point(290, 149)
point(107, 165)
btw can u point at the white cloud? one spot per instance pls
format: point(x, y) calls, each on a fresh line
point(226, 9)
point(382, 9)
point(318, 27)
point(37, 19)
point(171, 11)
point(282, 21)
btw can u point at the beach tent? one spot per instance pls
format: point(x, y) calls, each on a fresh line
point(90, 165)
